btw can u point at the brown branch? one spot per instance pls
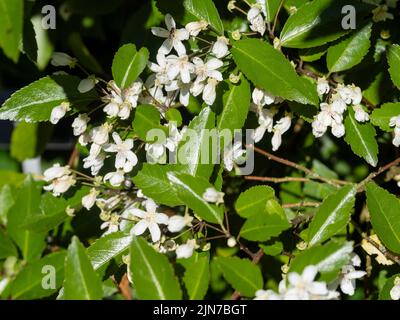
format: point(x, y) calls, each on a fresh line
point(277, 180)
point(312, 174)
point(301, 204)
point(373, 175)
point(382, 249)
point(72, 159)
point(124, 287)
point(276, 17)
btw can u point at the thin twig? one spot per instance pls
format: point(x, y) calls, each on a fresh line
point(301, 204)
point(373, 175)
point(312, 174)
point(382, 249)
point(276, 16)
point(277, 180)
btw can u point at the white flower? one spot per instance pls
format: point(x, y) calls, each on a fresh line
point(360, 114)
point(84, 139)
point(208, 69)
point(115, 178)
point(179, 66)
point(174, 37)
point(338, 129)
point(183, 88)
point(322, 86)
point(213, 196)
point(56, 171)
point(279, 129)
point(89, 200)
point(395, 122)
point(380, 13)
point(266, 122)
point(220, 47)
point(303, 287)
point(348, 279)
point(150, 219)
point(185, 251)
point(232, 154)
point(99, 135)
point(160, 69)
point(194, 28)
point(60, 185)
point(267, 295)
point(261, 97)
point(231, 242)
point(328, 117)
point(125, 158)
point(59, 112)
point(94, 162)
point(60, 59)
point(80, 124)
point(112, 224)
point(60, 178)
point(157, 150)
point(176, 223)
point(87, 84)
point(256, 20)
point(209, 92)
point(395, 291)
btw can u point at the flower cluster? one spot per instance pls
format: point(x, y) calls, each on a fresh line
point(299, 287)
point(331, 114)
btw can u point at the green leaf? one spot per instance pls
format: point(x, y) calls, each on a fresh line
point(194, 10)
point(381, 117)
point(271, 9)
point(317, 23)
point(332, 215)
point(384, 294)
point(384, 209)
point(26, 204)
point(11, 178)
point(107, 248)
point(7, 247)
point(197, 151)
point(273, 249)
point(7, 200)
point(349, 52)
point(276, 76)
point(235, 106)
point(267, 223)
point(147, 118)
point(35, 279)
point(53, 211)
point(152, 275)
point(11, 17)
point(328, 258)
point(253, 201)
point(241, 274)
point(312, 54)
point(23, 141)
point(190, 190)
point(197, 278)
point(153, 181)
point(81, 281)
point(36, 101)
point(128, 64)
point(361, 138)
point(393, 57)
point(173, 115)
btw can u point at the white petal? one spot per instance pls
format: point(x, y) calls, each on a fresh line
point(139, 228)
point(154, 232)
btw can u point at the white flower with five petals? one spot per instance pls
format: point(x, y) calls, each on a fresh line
point(150, 219)
point(174, 36)
point(125, 158)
